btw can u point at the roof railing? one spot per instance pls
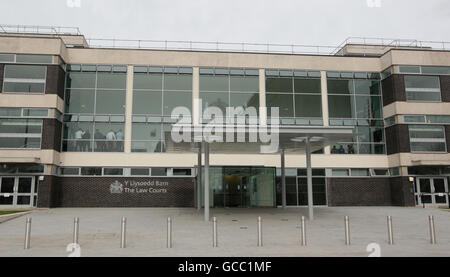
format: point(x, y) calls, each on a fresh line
point(217, 46)
point(36, 29)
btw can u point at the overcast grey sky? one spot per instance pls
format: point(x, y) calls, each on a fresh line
point(324, 22)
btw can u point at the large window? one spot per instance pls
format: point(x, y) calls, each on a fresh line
point(424, 138)
point(156, 92)
point(24, 78)
point(354, 99)
point(297, 94)
point(95, 108)
point(422, 88)
point(223, 87)
point(20, 133)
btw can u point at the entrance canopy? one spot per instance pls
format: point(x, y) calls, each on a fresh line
point(247, 139)
point(252, 139)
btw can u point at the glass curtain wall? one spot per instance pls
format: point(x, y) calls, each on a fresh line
point(156, 92)
point(297, 94)
point(242, 187)
point(296, 187)
point(354, 99)
point(94, 119)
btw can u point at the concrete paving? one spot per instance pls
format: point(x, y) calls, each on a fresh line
point(52, 229)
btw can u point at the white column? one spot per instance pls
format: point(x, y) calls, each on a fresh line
point(199, 177)
point(309, 178)
point(262, 98)
point(324, 93)
point(195, 95)
point(206, 182)
point(129, 109)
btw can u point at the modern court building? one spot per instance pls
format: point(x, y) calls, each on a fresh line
point(87, 123)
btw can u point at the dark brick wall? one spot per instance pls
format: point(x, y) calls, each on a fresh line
point(48, 192)
point(55, 80)
point(402, 192)
point(393, 89)
point(51, 134)
point(95, 192)
point(397, 139)
point(2, 68)
point(445, 88)
point(359, 192)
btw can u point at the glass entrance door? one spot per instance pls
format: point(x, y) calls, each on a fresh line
point(235, 191)
point(432, 191)
point(17, 191)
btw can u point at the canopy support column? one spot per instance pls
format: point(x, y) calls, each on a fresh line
point(206, 192)
point(283, 180)
point(199, 177)
point(309, 178)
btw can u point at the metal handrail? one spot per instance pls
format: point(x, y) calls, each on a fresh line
point(218, 46)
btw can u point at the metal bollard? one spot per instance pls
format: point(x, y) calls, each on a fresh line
point(390, 231)
point(260, 239)
point(347, 230)
point(169, 232)
point(214, 220)
point(27, 233)
point(303, 231)
point(76, 228)
point(123, 240)
point(432, 230)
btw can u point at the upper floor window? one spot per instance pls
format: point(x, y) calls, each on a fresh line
point(24, 78)
point(297, 94)
point(425, 138)
point(422, 88)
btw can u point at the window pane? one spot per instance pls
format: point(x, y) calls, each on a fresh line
point(363, 106)
point(25, 71)
point(109, 137)
point(159, 171)
point(113, 171)
point(177, 82)
point(80, 101)
point(24, 87)
point(438, 70)
point(174, 99)
point(422, 82)
point(110, 102)
point(20, 142)
point(215, 99)
point(307, 85)
point(340, 106)
point(70, 171)
point(340, 86)
point(423, 95)
point(214, 83)
point(144, 131)
point(34, 58)
point(279, 85)
point(409, 69)
point(427, 146)
point(376, 107)
point(367, 87)
point(7, 58)
point(340, 172)
point(109, 80)
point(35, 112)
point(147, 102)
point(10, 112)
point(150, 81)
point(250, 84)
point(360, 172)
point(420, 131)
point(20, 126)
point(245, 100)
point(80, 80)
point(283, 102)
point(308, 106)
point(140, 171)
point(91, 171)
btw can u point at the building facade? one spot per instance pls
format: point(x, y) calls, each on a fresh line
point(86, 126)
